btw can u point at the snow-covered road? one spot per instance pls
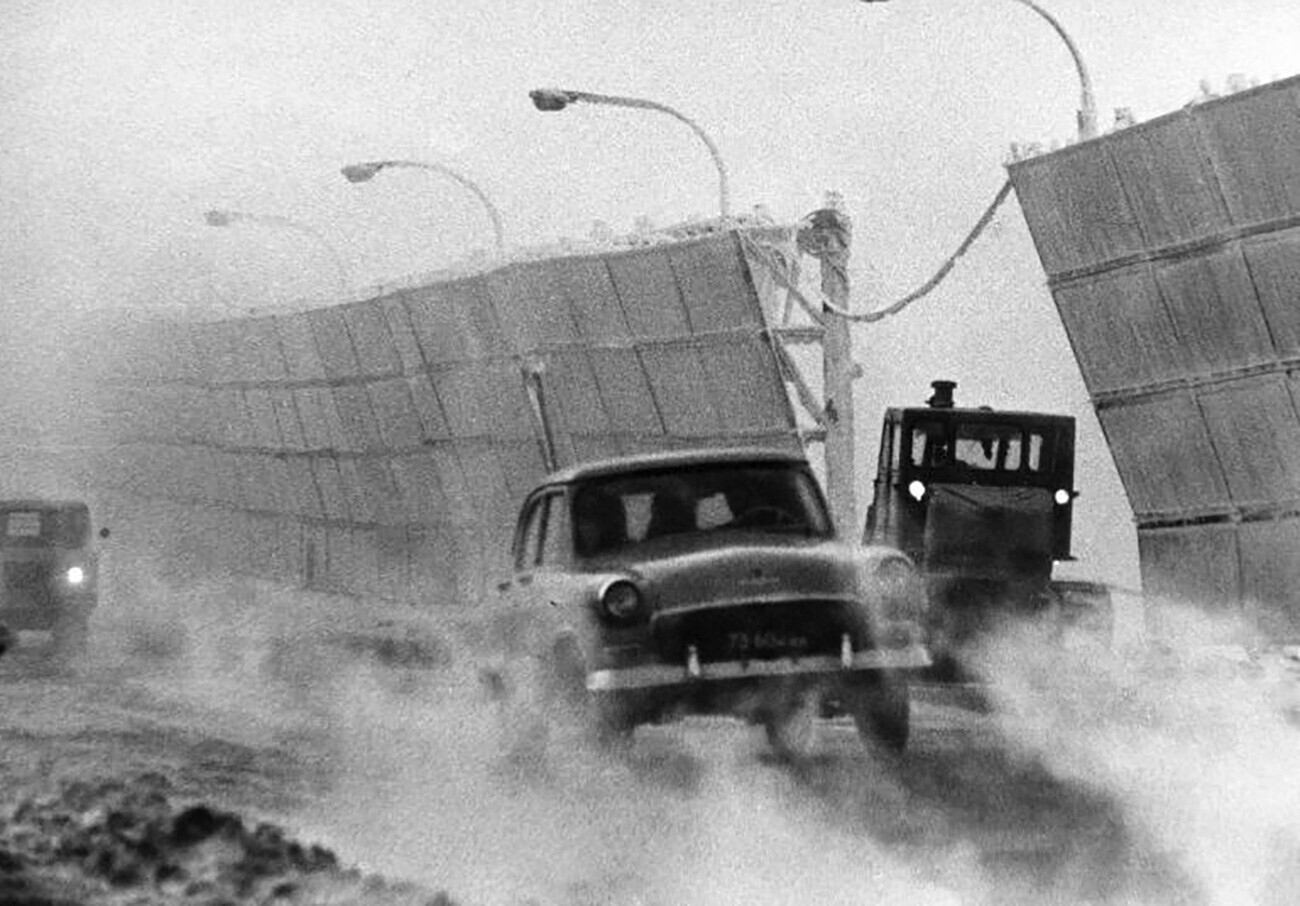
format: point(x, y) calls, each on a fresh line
point(1083, 788)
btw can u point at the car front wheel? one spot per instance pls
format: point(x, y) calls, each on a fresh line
point(882, 712)
point(598, 717)
point(792, 728)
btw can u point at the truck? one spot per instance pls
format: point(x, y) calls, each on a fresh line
point(48, 570)
point(982, 500)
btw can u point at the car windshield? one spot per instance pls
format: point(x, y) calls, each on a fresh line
point(618, 511)
point(37, 526)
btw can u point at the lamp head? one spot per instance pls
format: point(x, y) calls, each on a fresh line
point(550, 99)
point(217, 218)
point(360, 172)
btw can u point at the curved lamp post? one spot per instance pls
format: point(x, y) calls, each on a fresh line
point(365, 172)
point(225, 218)
point(552, 99)
point(1087, 112)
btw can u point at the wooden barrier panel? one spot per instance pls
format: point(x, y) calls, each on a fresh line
point(356, 445)
point(1173, 253)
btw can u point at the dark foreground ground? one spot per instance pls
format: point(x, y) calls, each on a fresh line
point(245, 771)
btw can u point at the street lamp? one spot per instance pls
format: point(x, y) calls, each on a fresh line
point(225, 218)
point(365, 172)
point(553, 99)
point(1087, 112)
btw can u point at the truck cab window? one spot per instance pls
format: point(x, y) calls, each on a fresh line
point(1034, 457)
point(930, 445)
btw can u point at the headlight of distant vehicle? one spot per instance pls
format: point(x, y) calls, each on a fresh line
point(76, 575)
point(620, 601)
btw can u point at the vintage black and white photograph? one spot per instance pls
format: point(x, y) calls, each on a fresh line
point(650, 453)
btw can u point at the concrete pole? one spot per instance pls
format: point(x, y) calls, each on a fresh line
point(828, 237)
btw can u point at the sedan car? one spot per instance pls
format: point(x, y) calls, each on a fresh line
point(703, 582)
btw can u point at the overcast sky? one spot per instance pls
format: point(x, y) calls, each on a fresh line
point(123, 120)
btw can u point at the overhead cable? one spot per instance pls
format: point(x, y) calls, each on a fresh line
point(879, 314)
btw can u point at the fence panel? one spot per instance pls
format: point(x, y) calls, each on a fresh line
point(1253, 427)
point(1163, 447)
point(1120, 330)
point(356, 439)
point(1192, 371)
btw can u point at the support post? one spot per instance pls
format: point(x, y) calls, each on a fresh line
point(827, 236)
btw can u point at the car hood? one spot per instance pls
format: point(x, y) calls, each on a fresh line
point(681, 574)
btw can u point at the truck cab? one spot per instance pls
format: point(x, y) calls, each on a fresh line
point(48, 570)
point(982, 500)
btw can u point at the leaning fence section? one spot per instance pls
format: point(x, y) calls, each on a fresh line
point(1172, 250)
point(382, 447)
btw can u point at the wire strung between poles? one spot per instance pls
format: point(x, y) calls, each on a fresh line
point(830, 308)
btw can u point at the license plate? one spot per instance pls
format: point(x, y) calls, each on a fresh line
point(765, 642)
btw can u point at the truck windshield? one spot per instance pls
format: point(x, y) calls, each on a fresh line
point(619, 511)
point(981, 447)
point(40, 526)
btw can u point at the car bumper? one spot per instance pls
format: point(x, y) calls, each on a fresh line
point(659, 676)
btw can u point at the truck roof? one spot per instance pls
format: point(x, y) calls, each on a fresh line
point(672, 460)
point(40, 503)
point(979, 412)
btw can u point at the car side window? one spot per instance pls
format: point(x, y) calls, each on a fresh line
point(714, 511)
point(528, 545)
point(555, 532)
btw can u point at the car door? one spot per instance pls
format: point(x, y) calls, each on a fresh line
point(540, 558)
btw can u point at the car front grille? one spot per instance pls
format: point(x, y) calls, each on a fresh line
point(759, 631)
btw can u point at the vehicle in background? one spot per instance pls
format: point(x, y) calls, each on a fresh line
point(48, 570)
point(705, 582)
point(982, 500)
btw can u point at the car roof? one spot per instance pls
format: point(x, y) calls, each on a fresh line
point(671, 460)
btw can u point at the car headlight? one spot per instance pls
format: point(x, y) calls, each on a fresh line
point(620, 600)
point(76, 575)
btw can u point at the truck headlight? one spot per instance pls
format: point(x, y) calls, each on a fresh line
point(76, 575)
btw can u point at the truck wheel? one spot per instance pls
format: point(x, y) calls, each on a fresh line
point(792, 729)
point(882, 713)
